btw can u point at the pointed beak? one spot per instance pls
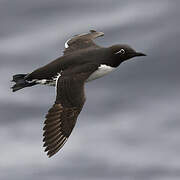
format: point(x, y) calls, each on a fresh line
point(140, 54)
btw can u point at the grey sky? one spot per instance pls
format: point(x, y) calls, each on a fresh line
point(129, 128)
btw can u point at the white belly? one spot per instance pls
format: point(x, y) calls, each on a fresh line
point(102, 70)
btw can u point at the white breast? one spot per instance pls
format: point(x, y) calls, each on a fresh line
point(102, 70)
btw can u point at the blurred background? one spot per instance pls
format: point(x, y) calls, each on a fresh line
point(130, 126)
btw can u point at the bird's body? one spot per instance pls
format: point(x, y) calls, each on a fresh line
point(83, 61)
point(100, 56)
point(48, 73)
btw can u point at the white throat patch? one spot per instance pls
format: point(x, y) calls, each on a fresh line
point(102, 70)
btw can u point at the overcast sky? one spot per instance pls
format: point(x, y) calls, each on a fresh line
point(129, 128)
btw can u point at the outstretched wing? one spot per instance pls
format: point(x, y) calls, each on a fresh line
point(70, 98)
point(82, 41)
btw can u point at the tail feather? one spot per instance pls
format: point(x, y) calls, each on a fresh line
point(21, 82)
point(18, 77)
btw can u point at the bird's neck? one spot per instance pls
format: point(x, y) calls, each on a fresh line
point(116, 61)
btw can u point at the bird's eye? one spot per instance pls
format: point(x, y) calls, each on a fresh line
point(122, 51)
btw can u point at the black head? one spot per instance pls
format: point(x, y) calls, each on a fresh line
point(123, 52)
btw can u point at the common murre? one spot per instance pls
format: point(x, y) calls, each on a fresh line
point(83, 61)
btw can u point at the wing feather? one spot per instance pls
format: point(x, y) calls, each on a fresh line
point(82, 41)
point(61, 117)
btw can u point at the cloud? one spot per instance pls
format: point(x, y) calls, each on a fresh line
point(129, 127)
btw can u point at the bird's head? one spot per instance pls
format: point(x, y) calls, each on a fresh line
point(124, 52)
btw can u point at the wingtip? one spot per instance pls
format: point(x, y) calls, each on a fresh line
point(13, 88)
point(50, 155)
point(46, 149)
point(92, 31)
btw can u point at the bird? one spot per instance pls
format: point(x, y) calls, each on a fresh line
point(82, 61)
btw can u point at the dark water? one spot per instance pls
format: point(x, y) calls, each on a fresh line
point(130, 126)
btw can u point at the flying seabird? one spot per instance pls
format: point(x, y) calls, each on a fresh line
point(82, 61)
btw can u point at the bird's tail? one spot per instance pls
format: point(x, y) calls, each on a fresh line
point(21, 82)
